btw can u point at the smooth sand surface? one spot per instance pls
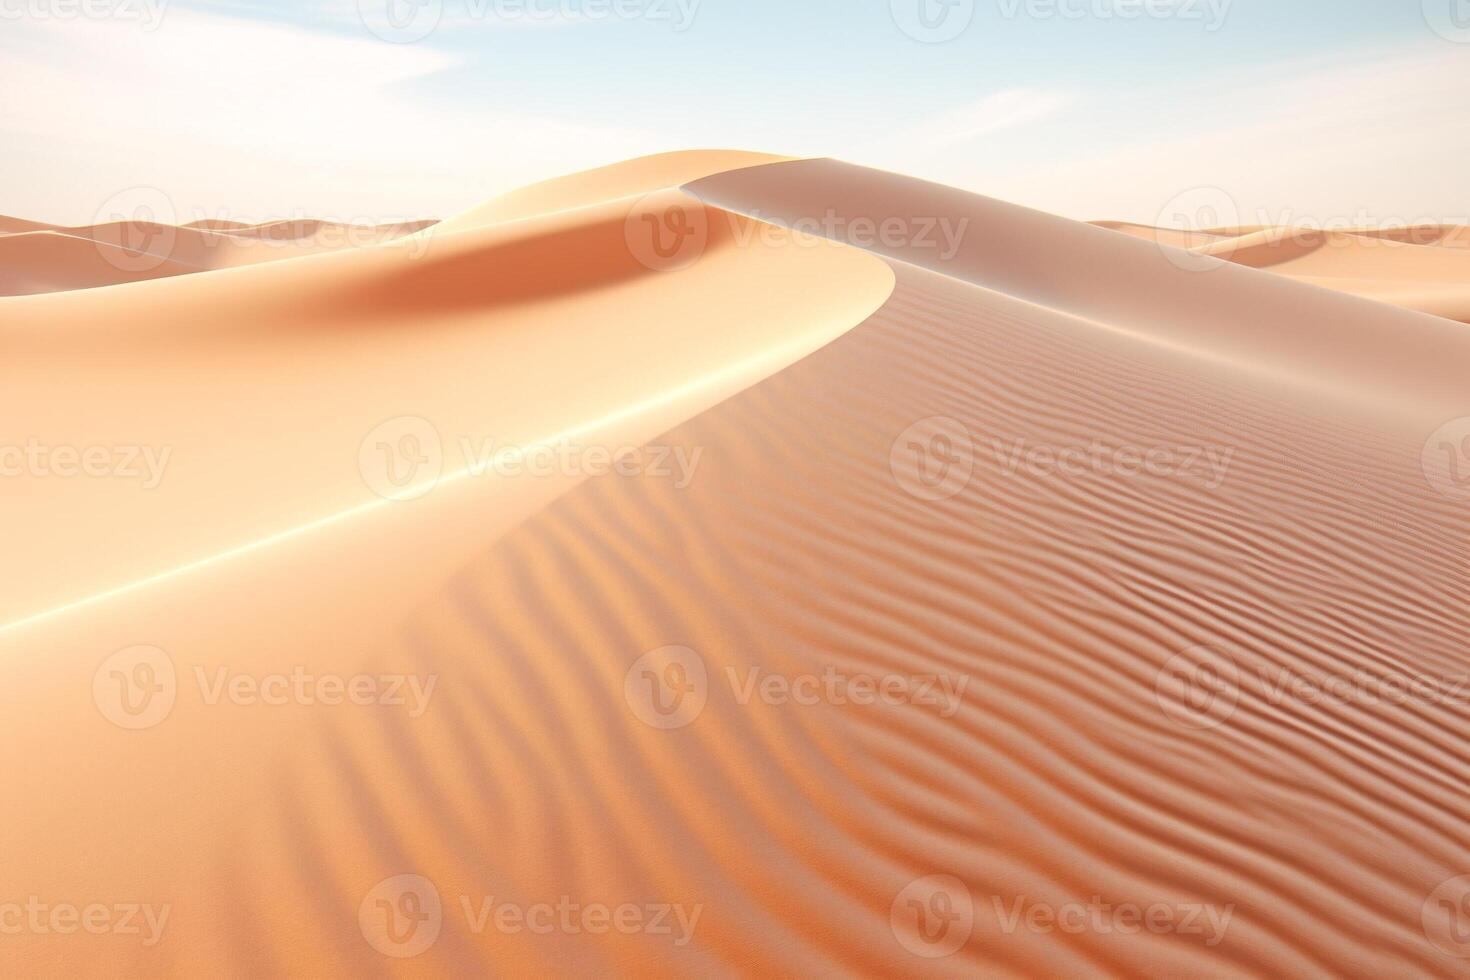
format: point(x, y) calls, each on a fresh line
point(1423, 267)
point(816, 538)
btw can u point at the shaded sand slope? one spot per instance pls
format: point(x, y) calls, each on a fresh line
point(49, 261)
point(1425, 268)
point(806, 541)
point(255, 391)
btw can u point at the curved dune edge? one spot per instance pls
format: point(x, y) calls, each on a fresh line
point(580, 334)
point(641, 175)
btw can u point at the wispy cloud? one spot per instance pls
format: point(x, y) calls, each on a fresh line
point(219, 111)
point(1006, 109)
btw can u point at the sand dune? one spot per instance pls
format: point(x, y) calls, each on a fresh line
point(606, 726)
point(49, 261)
point(1424, 267)
point(55, 259)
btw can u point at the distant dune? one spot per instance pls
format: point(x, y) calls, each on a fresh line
point(972, 588)
point(49, 258)
point(1424, 267)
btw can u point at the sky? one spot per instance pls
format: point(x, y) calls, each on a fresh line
point(1313, 111)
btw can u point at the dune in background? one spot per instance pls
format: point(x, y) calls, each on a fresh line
point(1422, 267)
point(1079, 679)
point(38, 258)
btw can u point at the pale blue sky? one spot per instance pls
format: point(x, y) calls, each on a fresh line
point(271, 107)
